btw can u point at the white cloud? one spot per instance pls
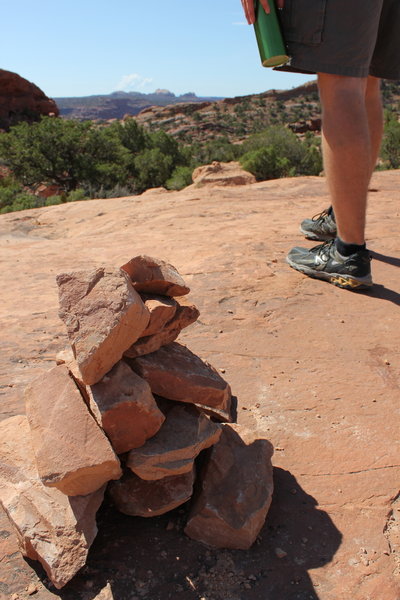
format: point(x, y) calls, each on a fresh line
point(133, 82)
point(240, 23)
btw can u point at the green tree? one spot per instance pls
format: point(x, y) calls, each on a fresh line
point(153, 168)
point(64, 152)
point(131, 134)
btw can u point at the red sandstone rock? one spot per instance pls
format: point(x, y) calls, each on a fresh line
point(236, 491)
point(51, 527)
point(66, 357)
point(174, 372)
point(184, 316)
point(218, 174)
point(72, 453)
point(134, 496)
point(161, 309)
point(21, 100)
point(222, 416)
point(123, 405)
point(155, 276)
point(104, 317)
point(185, 433)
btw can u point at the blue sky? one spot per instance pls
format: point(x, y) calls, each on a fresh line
point(78, 48)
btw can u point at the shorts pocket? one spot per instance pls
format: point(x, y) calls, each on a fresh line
point(303, 21)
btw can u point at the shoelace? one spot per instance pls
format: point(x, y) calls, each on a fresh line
point(321, 216)
point(325, 247)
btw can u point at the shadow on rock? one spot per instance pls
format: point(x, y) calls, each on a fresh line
point(383, 293)
point(390, 260)
point(138, 558)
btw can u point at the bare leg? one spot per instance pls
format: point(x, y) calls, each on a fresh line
point(351, 138)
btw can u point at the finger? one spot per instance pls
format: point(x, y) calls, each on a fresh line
point(265, 5)
point(248, 7)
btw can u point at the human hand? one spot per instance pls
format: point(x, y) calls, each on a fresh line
point(248, 7)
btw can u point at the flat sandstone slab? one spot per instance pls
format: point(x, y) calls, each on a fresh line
point(161, 309)
point(72, 453)
point(185, 433)
point(235, 494)
point(184, 316)
point(174, 372)
point(155, 276)
point(104, 316)
point(134, 496)
point(51, 527)
point(123, 405)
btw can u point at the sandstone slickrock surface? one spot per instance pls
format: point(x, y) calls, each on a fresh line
point(72, 453)
point(104, 317)
point(21, 100)
point(174, 372)
point(336, 438)
point(161, 309)
point(137, 497)
point(236, 491)
point(184, 316)
point(185, 433)
point(124, 407)
point(155, 276)
point(51, 527)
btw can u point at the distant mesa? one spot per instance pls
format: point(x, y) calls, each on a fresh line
point(118, 104)
point(21, 100)
point(160, 92)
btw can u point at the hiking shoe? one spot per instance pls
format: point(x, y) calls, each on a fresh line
point(321, 227)
point(325, 262)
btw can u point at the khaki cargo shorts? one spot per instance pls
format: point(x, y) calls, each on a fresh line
point(355, 38)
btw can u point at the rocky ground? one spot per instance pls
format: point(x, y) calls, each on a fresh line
point(315, 369)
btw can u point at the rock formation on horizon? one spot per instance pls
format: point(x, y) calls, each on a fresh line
point(21, 100)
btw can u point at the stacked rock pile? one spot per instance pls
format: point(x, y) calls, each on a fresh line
point(130, 408)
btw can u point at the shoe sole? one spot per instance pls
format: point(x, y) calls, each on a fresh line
point(341, 280)
point(317, 238)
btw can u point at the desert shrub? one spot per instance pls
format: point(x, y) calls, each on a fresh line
point(266, 163)
point(180, 178)
point(22, 201)
point(54, 200)
point(76, 195)
point(153, 168)
point(303, 158)
point(220, 149)
point(117, 191)
point(14, 197)
point(390, 150)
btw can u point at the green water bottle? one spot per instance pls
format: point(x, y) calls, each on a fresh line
point(269, 36)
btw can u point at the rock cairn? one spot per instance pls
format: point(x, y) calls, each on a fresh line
point(129, 408)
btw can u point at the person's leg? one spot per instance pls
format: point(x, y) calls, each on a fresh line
point(347, 151)
point(322, 226)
